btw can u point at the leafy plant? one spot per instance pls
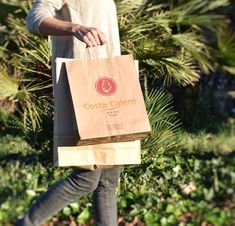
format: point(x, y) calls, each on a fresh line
point(21, 92)
point(25, 78)
point(163, 121)
point(169, 37)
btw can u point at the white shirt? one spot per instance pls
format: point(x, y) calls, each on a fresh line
point(92, 13)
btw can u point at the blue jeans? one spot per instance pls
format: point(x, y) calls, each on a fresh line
point(101, 182)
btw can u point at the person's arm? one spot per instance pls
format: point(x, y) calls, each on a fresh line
point(90, 35)
point(40, 19)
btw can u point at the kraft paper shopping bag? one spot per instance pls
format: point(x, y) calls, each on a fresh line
point(107, 100)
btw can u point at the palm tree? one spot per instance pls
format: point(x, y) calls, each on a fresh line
point(169, 37)
point(25, 68)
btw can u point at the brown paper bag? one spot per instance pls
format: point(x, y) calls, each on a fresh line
point(107, 99)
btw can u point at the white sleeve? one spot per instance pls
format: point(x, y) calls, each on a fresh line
point(39, 11)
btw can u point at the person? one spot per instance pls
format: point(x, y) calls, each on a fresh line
point(74, 26)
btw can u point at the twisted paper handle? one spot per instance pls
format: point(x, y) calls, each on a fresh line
point(88, 54)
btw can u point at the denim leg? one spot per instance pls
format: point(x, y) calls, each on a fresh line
point(59, 195)
point(104, 198)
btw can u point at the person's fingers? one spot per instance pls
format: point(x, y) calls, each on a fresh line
point(94, 32)
point(101, 37)
point(91, 38)
point(87, 41)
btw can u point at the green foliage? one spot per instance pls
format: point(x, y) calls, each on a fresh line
point(200, 13)
point(163, 121)
point(21, 92)
point(191, 41)
point(192, 187)
point(25, 75)
point(10, 124)
point(221, 142)
point(32, 50)
point(8, 86)
point(15, 6)
point(225, 49)
point(169, 37)
point(25, 171)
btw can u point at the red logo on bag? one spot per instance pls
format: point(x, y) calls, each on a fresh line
point(106, 86)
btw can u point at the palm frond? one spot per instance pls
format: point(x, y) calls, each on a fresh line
point(197, 47)
point(30, 109)
point(226, 42)
point(21, 5)
point(33, 50)
point(18, 33)
point(202, 20)
point(124, 7)
point(175, 71)
point(179, 71)
point(198, 13)
point(8, 85)
point(23, 93)
point(163, 121)
point(152, 32)
point(225, 49)
point(33, 55)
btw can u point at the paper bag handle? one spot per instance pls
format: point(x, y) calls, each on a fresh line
point(88, 54)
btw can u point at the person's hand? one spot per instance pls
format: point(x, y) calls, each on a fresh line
point(89, 35)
